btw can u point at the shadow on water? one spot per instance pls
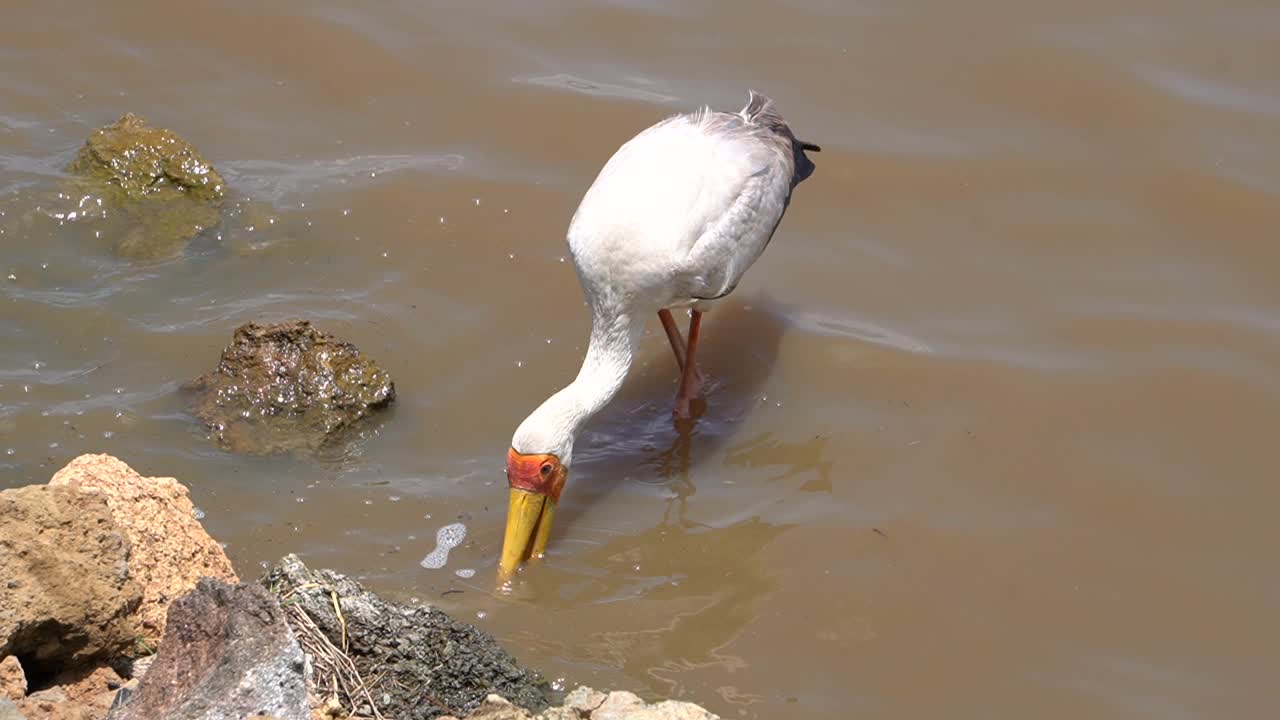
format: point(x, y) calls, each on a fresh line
point(635, 437)
point(798, 458)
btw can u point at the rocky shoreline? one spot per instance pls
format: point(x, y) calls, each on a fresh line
point(117, 604)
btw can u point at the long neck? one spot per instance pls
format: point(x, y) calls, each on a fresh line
point(557, 421)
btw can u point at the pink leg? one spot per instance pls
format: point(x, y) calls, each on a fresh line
point(673, 336)
point(690, 378)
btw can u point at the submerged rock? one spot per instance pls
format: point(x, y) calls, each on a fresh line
point(66, 596)
point(168, 191)
point(170, 549)
point(227, 653)
point(416, 661)
point(287, 387)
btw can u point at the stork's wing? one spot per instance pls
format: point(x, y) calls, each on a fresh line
point(681, 210)
point(748, 193)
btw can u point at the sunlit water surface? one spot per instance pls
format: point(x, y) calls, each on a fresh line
point(991, 425)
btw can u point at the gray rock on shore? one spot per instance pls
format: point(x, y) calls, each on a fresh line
point(426, 663)
point(227, 653)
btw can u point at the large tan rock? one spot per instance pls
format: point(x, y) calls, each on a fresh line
point(171, 550)
point(67, 597)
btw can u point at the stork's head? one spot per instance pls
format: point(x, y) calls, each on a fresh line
point(537, 467)
point(536, 480)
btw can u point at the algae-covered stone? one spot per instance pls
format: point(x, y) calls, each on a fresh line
point(168, 191)
point(288, 386)
point(141, 161)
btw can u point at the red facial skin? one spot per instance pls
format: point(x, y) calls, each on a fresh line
point(537, 473)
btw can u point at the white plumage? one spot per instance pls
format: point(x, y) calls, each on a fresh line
point(673, 220)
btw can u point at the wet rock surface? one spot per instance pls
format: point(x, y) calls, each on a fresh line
point(227, 653)
point(417, 662)
point(170, 549)
point(165, 188)
point(288, 387)
point(66, 598)
point(140, 161)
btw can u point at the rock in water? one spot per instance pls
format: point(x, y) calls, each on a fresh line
point(169, 192)
point(143, 161)
point(66, 596)
point(227, 653)
point(171, 551)
point(288, 387)
point(419, 662)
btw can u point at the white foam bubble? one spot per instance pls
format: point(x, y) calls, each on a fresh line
point(447, 538)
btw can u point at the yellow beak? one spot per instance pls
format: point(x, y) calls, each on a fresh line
point(529, 517)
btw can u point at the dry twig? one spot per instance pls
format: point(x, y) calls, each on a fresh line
point(333, 673)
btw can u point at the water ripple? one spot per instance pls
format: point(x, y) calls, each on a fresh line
point(44, 376)
point(858, 329)
point(213, 314)
point(277, 180)
point(573, 83)
point(1206, 91)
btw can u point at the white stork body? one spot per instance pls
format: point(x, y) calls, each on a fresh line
point(673, 220)
point(681, 211)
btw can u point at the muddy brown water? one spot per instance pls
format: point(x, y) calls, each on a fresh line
point(992, 425)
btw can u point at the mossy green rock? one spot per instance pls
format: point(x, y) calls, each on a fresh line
point(168, 191)
point(142, 161)
point(288, 387)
